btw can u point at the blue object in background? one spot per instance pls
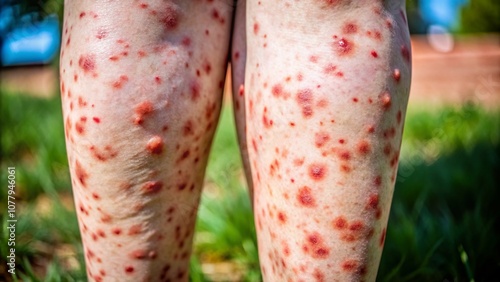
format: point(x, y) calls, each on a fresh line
point(444, 13)
point(29, 41)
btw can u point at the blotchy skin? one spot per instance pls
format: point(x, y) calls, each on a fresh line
point(326, 89)
point(320, 91)
point(141, 85)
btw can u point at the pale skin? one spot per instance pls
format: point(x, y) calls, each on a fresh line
point(320, 92)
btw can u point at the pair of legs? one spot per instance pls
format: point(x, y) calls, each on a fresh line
point(320, 91)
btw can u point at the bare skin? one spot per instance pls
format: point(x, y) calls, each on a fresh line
point(320, 91)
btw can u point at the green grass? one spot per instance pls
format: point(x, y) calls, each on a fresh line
point(444, 222)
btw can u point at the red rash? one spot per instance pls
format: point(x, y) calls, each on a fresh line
point(305, 197)
point(255, 28)
point(277, 90)
point(152, 187)
point(315, 246)
point(170, 18)
point(87, 63)
point(119, 83)
point(344, 47)
point(349, 265)
point(405, 53)
point(305, 100)
point(340, 223)
point(385, 99)
point(282, 217)
point(397, 75)
point(81, 174)
point(363, 147)
point(317, 171)
point(321, 138)
point(374, 54)
point(155, 145)
point(141, 110)
point(350, 28)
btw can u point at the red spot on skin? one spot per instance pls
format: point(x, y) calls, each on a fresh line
point(331, 2)
point(152, 187)
point(195, 91)
point(118, 84)
point(374, 54)
point(370, 129)
point(321, 138)
point(75, 77)
point(315, 246)
point(157, 80)
point(349, 265)
point(340, 223)
point(387, 149)
point(277, 90)
point(170, 19)
point(355, 100)
point(356, 226)
point(363, 147)
point(101, 34)
point(186, 41)
point(373, 201)
point(399, 116)
point(81, 174)
point(87, 63)
point(305, 197)
point(385, 100)
point(378, 181)
point(155, 145)
point(396, 75)
point(188, 128)
point(267, 122)
point(135, 229)
point(343, 47)
point(405, 53)
point(143, 5)
point(344, 154)
point(382, 238)
point(138, 254)
point(255, 28)
point(114, 58)
point(82, 14)
point(129, 269)
point(318, 275)
point(141, 53)
point(207, 67)
point(345, 168)
point(79, 126)
point(350, 28)
point(216, 16)
point(305, 100)
point(282, 217)
point(141, 110)
point(389, 133)
point(116, 231)
point(317, 171)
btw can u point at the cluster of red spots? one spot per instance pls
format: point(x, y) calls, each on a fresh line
point(265, 120)
point(315, 247)
point(216, 16)
point(152, 187)
point(350, 28)
point(87, 63)
point(141, 110)
point(104, 154)
point(256, 28)
point(332, 69)
point(321, 138)
point(374, 54)
point(155, 145)
point(118, 84)
point(317, 171)
point(305, 100)
point(385, 100)
point(305, 197)
point(405, 53)
point(350, 232)
point(343, 47)
point(363, 147)
point(170, 17)
point(396, 75)
point(81, 174)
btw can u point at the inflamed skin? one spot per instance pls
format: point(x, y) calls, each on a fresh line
point(320, 89)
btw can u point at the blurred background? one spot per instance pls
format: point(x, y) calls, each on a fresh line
point(445, 218)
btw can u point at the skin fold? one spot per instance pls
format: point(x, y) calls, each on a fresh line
point(320, 89)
